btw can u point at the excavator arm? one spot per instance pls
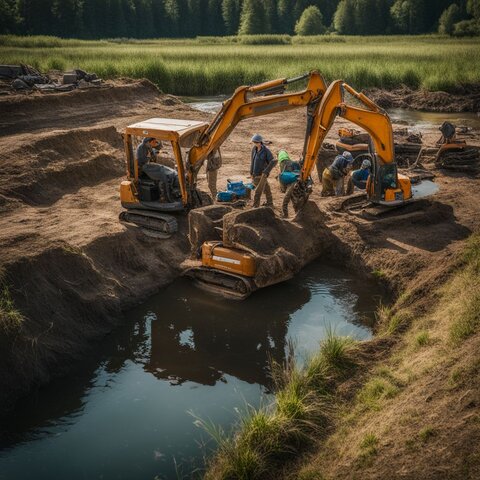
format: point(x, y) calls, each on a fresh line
point(247, 102)
point(372, 119)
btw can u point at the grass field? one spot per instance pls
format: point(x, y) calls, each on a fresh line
point(209, 66)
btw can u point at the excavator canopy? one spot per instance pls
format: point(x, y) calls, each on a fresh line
point(166, 129)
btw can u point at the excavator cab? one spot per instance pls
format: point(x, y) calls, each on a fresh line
point(148, 196)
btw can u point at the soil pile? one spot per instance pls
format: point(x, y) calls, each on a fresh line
point(463, 99)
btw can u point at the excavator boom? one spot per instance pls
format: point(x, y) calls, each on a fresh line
point(247, 102)
point(386, 186)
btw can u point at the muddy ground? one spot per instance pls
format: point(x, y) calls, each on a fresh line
point(72, 268)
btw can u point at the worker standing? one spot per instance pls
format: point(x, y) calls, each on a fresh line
point(260, 159)
point(358, 178)
point(214, 162)
point(334, 175)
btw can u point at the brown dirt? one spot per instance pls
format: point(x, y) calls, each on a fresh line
point(72, 268)
point(462, 99)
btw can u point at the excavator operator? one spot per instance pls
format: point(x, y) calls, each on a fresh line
point(333, 176)
point(145, 154)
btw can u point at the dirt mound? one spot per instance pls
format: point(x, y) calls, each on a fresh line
point(34, 112)
point(281, 247)
point(461, 100)
point(41, 172)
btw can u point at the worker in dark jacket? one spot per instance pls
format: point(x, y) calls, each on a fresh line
point(146, 152)
point(260, 158)
point(334, 175)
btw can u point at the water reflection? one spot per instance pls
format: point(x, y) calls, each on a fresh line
point(181, 350)
point(199, 338)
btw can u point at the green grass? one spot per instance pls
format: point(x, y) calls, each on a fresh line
point(426, 433)
point(422, 339)
point(390, 322)
point(464, 294)
point(368, 445)
point(376, 391)
point(267, 437)
point(10, 318)
point(211, 65)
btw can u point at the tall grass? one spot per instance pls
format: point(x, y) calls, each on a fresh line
point(213, 65)
point(267, 437)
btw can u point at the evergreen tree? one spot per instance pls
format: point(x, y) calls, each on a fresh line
point(449, 17)
point(473, 9)
point(327, 7)
point(231, 15)
point(407, 16)
point(271, 16)
point(310, 22)
point(286, 21)
point(9, 19)
point(344, 18)
point(215, 18)
point(172, 16)
point(36, 17)
point(68, 17)
point(252, 19)
point(299, 7)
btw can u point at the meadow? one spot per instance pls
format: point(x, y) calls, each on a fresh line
point(217, 65)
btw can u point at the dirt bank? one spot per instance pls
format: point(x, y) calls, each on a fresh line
point(462, 99)
point(71, 268)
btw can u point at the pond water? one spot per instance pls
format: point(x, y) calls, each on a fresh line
point(126, 412)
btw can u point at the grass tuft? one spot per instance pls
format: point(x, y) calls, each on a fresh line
point(10, 318)
point(368, 449)
point(422, 339)
point(269, 436)
point(379, 274)
point(376, 391)
point(426, 433)
point(390, 322)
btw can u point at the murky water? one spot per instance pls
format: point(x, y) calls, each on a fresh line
point(125, 413)
point(413, 118)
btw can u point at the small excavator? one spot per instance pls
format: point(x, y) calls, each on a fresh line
point(149, 201)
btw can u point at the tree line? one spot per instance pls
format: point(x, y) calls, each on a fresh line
point(95, 19)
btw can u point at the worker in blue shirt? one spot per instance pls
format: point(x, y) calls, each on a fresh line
point(359, 178)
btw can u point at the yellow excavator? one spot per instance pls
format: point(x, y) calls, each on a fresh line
point(231, 271)
point(385, 186)
point(149, 199)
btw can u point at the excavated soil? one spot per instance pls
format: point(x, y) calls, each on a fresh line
point(462, 99)
point(72, 268)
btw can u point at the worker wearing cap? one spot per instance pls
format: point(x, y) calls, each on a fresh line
point(260, 158)
point(145, 152)
point(358, 178)
point(334, 175)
